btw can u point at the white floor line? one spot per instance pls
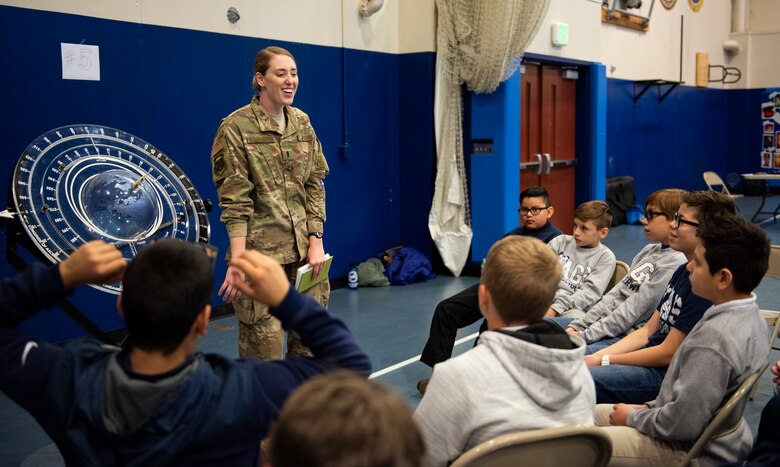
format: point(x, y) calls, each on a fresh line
point(767, 220)
point(402, 364)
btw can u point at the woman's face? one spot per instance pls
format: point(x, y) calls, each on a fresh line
point(278, 84)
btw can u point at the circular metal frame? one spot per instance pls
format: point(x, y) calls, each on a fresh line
point(53, 175)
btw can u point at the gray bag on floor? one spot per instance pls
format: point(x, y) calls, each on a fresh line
point(372, 274)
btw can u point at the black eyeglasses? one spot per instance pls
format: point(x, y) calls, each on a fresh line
point(678, 221)
point(649, 215)
point(534, 210)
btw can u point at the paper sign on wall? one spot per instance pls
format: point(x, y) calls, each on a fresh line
point(80, 61)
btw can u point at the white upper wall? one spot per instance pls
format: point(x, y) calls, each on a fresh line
point(404, 26)
point(635, 55)
point(763, 16)
point(318, 22)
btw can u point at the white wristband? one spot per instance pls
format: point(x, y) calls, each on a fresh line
point(605, 360)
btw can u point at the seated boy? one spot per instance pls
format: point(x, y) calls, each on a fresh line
point(342, 419)
point(525, 372)
point(632, 369)
point(725, 347)
point(587, 264)
point(158, 402)
point(631, 302)
point(462, 309)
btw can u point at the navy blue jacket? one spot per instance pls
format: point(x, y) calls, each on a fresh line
point(217, 416)
point(545, 233)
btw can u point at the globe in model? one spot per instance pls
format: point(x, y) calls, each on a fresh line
point(121, 204)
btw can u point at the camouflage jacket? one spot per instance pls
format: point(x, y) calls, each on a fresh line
point(270, 185)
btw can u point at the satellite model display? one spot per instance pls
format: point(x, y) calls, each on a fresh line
point(79, 183)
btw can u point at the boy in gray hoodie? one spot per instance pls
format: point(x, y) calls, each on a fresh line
point(633, 300)
point(587, 264)
point(525, 372)
point(726, 346)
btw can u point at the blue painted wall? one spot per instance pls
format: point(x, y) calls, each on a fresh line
point(172, 86)
point(494, 178)
point(417, 150)
point(670, 144)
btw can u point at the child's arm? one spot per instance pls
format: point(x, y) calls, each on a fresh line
point(590, 289)
point(656, 356)
point(700, 389)
point(636, 308)
point(328, 338)
point(27, 362)
point(634, 341)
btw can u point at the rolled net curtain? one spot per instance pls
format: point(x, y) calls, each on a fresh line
point(479, 43)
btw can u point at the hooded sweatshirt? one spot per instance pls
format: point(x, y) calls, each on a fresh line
point(210, 411)
point(511, 381)
point(632, 301)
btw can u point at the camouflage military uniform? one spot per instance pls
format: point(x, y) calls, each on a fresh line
point(271, 190)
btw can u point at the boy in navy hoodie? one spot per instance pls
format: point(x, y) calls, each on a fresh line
point(158, 402)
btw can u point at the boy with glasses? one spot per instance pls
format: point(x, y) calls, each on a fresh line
point(631, 302)
point(632, 369)
point(462, 309)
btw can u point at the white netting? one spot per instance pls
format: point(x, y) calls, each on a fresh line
point(479, 42)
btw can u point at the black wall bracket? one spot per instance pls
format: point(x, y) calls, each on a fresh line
point(644, 85)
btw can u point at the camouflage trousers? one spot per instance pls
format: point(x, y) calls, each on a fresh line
point(260, 334)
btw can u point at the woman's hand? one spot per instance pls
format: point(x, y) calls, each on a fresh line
point(229, 291)
point(316, 255)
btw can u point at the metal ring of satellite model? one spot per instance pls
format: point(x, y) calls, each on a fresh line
point(79, 183)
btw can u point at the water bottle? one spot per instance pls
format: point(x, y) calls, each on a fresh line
point(352, 277)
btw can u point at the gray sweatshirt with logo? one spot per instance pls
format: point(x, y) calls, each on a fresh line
point(586, 274)
point(633, 300)
point(726, 346)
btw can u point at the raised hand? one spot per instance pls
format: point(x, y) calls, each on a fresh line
point(265, 281)
point(95, 262)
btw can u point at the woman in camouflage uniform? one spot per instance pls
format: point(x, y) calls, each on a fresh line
point(268, 166)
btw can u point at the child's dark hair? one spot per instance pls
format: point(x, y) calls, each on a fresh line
point(734, 243)
point(536, 192)
point(709, 203)
point(596, 211)
point(164, 289)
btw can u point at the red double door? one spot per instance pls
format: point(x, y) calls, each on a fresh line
point(547, 137)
